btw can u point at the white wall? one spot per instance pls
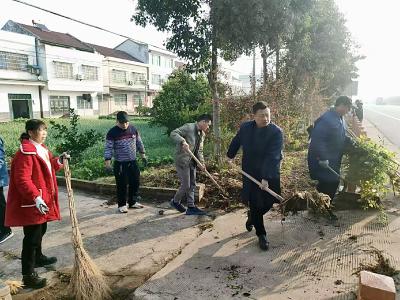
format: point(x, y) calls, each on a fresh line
point(77, 58)
point(123, 65)
point(18, 89)
point(162, 70)
point(22, 44)
point(73, 102)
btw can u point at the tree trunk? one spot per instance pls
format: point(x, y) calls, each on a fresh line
point(265, 70)
point(278, 60)
point(253, 76)
point(213, 86)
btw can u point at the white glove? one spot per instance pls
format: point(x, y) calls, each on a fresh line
point(64, 155)
point(41, 205)
point(264, 184)
point(324, 163)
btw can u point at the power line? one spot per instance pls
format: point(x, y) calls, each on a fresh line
point(84, 23)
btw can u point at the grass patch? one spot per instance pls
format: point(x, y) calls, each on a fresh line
point(159, 147)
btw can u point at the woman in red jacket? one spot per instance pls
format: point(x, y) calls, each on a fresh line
point(33, 198)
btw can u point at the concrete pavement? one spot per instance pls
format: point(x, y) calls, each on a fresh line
point(308, 258)
point(129, 248)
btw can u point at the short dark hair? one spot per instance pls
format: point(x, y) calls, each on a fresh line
point(32, 125)
point(259, 105)
point(122, 116)
point(204, 117)
point(343, 100)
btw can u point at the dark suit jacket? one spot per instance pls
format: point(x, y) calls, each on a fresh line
point(261, 159)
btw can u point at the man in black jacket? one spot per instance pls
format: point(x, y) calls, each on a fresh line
point(262, 143)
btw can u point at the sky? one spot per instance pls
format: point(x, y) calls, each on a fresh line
point(373, 25)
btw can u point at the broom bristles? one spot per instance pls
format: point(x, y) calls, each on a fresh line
point(14, 286)
point(87, 281)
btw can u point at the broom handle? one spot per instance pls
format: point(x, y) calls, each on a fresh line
point(72, 210)
point(205, 171)
point(268, 190)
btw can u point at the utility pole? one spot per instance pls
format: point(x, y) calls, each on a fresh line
point(254, 75)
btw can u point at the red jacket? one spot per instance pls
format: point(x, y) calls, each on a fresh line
point(30, 178)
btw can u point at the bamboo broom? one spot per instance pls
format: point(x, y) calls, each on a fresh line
point(87, 281)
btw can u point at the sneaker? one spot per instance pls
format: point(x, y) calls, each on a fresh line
point(44, 261)
point(179, 207)
point(5, 236)
point(263, 242)
point(136, 205)
point(195, 211)
point(33, 281)
point(123, 209)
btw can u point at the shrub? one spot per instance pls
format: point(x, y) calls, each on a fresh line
point(181, 100)
point(70, 138)
point(371, 166)
point(144, 111)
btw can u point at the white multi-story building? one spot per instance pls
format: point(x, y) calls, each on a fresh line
point(19, 80)
point(246, 81)
point(124, 81)
point(161, 63)
point(71, 68)
point(231, 78)
point(51, 72)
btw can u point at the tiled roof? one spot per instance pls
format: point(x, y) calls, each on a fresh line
point(57, 38)
point(109, 52)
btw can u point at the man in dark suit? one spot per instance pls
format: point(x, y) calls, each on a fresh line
point(262, 143)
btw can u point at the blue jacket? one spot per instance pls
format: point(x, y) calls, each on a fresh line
point(328, 141)
point(3, 165)
point(261, 158)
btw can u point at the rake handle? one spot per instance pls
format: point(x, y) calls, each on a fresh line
point(268, 190)
point(205, 171)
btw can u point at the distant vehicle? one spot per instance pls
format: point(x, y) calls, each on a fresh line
point(379, 101)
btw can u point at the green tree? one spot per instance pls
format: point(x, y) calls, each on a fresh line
point(200, 29)
point(321, 50)
point(181, 100)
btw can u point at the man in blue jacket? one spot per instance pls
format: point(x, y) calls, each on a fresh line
point(262, 143)
point(328, 142)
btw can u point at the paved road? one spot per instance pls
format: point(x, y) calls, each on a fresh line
point(387, 119)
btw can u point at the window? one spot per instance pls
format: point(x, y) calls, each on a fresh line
point(13, 61)
point(63, 70)
point(138, 98)
point(59, 105)
point(121, 99)
point(156, 60)
point(90, 72)
point(83, 103)
point(168, 62)
point(118, 76)
point(19, 97)
point(138, 78)
point(156, 79)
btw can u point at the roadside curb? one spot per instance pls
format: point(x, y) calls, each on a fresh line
point(154, 193)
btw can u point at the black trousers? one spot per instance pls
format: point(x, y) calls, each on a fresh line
point(32, 247)
point(258, 209)
point(328, 187)
point(127, 177)
point(3, 229)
